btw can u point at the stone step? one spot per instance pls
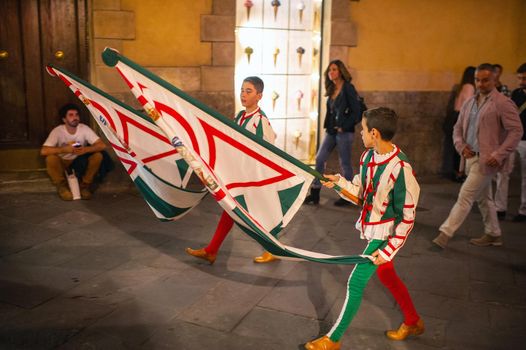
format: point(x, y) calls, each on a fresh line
point(37, 181)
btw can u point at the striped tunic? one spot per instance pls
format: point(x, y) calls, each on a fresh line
point(257, 123)
point(390, 191)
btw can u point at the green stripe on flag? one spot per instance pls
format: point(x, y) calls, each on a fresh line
point(255, 233)
point(241, 200)
point(182, 166)
point(163, 207)
point(288, 196)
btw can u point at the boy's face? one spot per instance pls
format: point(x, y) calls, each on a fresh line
point(367, 135)
point(249, 96)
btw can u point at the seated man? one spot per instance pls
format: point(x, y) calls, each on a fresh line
point(73, 145)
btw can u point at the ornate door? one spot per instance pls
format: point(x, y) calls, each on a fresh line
point(33, 34)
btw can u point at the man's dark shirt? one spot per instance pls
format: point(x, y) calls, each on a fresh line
point(519, 97)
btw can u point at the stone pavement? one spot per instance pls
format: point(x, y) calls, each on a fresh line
point(106, 274)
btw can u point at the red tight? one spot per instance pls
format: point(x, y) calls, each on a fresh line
point(387, 275)
point(223, 227)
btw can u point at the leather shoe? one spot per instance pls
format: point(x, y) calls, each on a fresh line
point(487, 240)
point(323, 343)
point(501, 215)
point(265, 258)
point(441, 240)
point(85, 192)
point(64, 192)
point(202, 254)
point(404, 331)
point(519, 218)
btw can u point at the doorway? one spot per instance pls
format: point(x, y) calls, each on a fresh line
point(33, 34)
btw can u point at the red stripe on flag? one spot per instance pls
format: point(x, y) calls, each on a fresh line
point(161, 107)
point(210, 132)
point(132, 167)
point(130, 85)
point(159, 156)
point(106, 114)
point(219, 195)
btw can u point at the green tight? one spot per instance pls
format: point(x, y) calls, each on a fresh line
point(358, 279)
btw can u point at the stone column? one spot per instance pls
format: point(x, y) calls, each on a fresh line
point(217, 80)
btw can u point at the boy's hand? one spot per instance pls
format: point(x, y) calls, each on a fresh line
point(332, 180)
point(378, 258)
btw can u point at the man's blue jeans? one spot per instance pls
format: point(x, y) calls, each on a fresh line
point(343, 140)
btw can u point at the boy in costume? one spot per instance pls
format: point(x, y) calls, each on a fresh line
point(254, 120)
point(390, 193)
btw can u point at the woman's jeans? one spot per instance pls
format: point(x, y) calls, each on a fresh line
point(344, 142)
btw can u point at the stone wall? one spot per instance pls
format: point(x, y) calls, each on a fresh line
point(213, 83)
point(419, 132)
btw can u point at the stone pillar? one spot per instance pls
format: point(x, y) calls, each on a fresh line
point(343, 31)
point(111, 26)
point(217, 80)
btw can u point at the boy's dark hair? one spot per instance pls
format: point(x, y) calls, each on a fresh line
point(382, 119)
point(486, 66)
point(257, 82)
point(522, 68)
point(67, 107)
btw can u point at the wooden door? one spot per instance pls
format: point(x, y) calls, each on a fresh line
point(32, 34)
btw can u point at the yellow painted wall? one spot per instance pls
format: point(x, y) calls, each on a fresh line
point(168, 33)
point(426, 44)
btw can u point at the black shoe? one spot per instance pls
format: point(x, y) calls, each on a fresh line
point(519, 218)
point(501, 215)
point(313, 197)
point(342, 203)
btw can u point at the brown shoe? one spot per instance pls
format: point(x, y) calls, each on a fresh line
point(202, 254)
point(487, 240)
point(404, 331)
point(323, 343)
point(265, 258)
point(64, 192)
point(441, 240)
point(85, 193)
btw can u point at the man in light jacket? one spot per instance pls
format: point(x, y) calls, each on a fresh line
point(487, 131)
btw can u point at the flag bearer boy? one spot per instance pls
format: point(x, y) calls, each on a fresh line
point(390, 194)
point(254, 120)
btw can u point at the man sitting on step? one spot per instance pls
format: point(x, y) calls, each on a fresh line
point(73, 145)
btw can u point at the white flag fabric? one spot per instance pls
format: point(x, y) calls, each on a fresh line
point(154, 165)
point(259, 185)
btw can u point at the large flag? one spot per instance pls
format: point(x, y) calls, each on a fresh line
point(154, 165)
point(259, 185)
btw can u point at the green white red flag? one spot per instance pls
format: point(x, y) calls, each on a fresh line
point(259, 185)
point(156, 168)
